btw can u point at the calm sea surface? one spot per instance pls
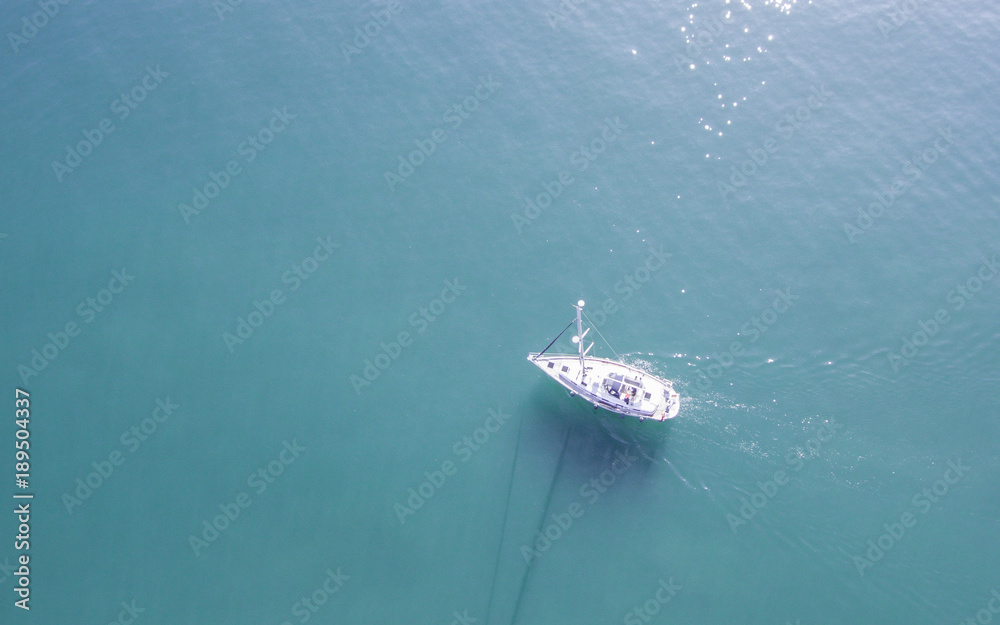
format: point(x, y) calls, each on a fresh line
point(270, 273)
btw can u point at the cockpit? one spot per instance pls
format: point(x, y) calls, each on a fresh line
point(622, 388)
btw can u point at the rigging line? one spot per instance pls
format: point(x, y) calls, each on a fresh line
point(556, 339)
point(548, 500)
point(503, 527)
point(602, 337)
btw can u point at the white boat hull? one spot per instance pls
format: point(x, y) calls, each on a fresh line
point(612, 385)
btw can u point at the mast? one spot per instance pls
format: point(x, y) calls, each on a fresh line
point(578, 339)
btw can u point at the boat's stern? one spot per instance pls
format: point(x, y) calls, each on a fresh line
point(673, 406)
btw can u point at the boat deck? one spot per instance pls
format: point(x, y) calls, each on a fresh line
point(612, 385)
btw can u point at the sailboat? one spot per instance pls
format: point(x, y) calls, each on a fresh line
point(608, 384)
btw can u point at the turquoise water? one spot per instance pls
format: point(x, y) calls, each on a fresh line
point(314, 274)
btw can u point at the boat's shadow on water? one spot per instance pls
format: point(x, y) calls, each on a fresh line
point(592, 447)
point(595, 439)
